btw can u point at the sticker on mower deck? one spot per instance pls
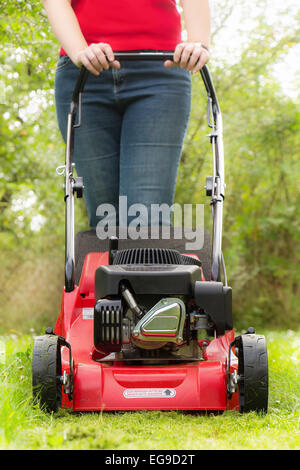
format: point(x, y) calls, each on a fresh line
point(149, 393)
point(87, 313)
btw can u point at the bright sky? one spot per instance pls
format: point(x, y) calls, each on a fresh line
point(240, 25)
point(287, 72)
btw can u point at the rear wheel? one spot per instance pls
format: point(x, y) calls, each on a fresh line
point(252, 373)
point(46, 372)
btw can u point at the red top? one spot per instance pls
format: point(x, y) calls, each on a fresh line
point(130, 24)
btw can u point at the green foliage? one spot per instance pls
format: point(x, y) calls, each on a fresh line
point(261, 137)
point(28, 132)
point(262, 204)
point(262, 210)
point(31, 196)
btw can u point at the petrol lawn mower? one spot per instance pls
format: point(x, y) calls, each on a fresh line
point(145, 325)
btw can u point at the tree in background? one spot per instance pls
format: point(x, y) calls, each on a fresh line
point(261, 137)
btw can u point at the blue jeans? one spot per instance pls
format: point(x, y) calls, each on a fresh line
point(134, 122)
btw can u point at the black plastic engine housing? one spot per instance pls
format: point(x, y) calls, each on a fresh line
point(147, 279)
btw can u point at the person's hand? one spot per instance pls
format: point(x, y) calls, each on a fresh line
point(97, 57)
point(191, 56)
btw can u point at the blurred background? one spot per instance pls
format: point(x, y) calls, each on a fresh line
point(256, 71)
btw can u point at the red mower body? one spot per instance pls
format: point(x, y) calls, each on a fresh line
point(118, 386)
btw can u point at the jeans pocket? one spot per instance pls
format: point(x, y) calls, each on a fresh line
point(63, 61)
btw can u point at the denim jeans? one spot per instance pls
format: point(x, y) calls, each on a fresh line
point(134, 122)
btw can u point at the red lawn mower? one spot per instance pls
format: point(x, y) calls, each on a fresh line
point(147, 325)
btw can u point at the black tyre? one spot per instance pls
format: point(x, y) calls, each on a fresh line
point(253, 373)
point(46, 372)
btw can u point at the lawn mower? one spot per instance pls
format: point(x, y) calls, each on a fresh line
point(144, 324)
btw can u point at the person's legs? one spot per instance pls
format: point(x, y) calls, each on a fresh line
point(97, 140)
point(133, 126)
point(153, 130)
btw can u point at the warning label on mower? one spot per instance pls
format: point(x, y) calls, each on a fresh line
point(87, 313)
point(149, 393)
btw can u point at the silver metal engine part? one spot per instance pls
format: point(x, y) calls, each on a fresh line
point(126, 330)
point(163, 324)
point(198, 321)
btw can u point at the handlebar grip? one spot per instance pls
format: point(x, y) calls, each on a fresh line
point(160, 55)
point(81, 81)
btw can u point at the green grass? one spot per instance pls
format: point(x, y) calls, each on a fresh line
point(25, 426)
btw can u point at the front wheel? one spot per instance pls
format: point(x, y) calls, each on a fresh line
point(46, 372)
point(252, 373)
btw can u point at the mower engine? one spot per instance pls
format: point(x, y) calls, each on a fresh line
point(157, 299)
point(163, 323)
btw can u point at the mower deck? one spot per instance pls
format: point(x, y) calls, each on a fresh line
point(197, 385)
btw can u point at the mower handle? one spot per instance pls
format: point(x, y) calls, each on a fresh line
point(216, 138)
point(84, 73)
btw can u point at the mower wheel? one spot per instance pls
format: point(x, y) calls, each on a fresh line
point(46, 372)
point(252, 373)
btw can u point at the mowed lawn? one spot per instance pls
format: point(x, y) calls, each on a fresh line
point(24, 426)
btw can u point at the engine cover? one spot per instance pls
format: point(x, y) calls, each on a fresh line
point(163, 323)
